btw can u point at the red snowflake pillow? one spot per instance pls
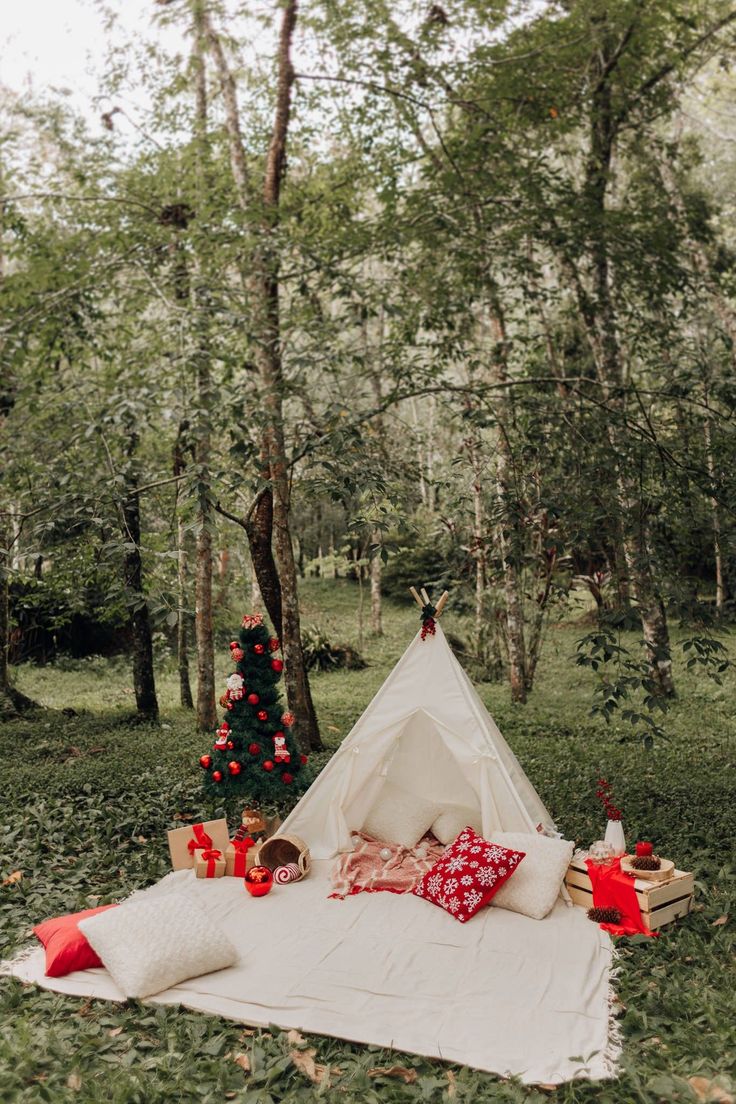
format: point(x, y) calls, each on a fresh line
point(469, 873)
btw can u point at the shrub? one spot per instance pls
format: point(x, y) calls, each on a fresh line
point(320, 654)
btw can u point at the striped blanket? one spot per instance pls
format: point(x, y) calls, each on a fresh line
point(365, 871)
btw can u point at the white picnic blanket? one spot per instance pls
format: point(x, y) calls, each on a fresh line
point(501, 993)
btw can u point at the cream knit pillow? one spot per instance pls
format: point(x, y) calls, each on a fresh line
point(398, 816)
point(149, 945)
point(536, 885)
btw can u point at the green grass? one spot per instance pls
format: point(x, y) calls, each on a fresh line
point(87, 800)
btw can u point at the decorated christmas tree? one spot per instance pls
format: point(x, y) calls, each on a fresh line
point(255, 754)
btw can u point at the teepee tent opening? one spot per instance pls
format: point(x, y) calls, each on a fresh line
point(428, 733)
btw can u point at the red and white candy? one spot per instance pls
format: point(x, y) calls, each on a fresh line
point(288, 873)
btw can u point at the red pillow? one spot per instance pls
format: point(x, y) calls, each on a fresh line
point(469, 873)
point(66, 947)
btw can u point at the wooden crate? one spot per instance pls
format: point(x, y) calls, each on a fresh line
point(660, 902)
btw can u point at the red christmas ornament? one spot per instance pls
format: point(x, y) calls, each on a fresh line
point(277, 665)
point(205, 762)
point(258, 649)
point(253, 699)
point(230, 745)
point(234, 644)
point(258, 881)
point(254, 749)
point(238, 654)
point(234, 766)
point(644, 848)
point(217, 776)
point(303, 759)
point(268, 765)
point(288, 719)
point(262, 715)
point(274, 644)
point(287, 778)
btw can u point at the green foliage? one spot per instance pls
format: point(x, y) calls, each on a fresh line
point(321, 654)
point(254, 723)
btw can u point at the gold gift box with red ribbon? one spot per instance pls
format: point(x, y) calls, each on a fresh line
point(185, 842)
point(240, 856)
point(209, 862)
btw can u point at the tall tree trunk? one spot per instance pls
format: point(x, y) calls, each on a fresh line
point(600, 320)
point(206, 707)
point(376, 571)
point(514, 605)
point(144, 684)
point(715, 511)
point(182, 622)
point(4, 607)
point(263, 286)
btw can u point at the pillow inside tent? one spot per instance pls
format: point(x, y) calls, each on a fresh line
point(451, 820)
point(149, 945)
point(398, 816)
point(537, 883)
point(471, 871)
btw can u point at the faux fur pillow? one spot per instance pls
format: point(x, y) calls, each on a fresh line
point(451, 821)
point(536, 885)
point(148, 946)
point(397, 816)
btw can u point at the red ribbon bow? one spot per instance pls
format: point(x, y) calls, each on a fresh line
point(211, 855)
point(201, 839)
point(241, 848)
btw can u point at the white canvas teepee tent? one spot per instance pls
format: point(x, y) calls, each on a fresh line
point(428, 732)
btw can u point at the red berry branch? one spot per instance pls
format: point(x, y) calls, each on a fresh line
point(604, 793)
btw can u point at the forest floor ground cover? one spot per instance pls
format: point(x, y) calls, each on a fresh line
point(86, 801)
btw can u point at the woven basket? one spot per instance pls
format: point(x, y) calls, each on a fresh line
point(280, 850)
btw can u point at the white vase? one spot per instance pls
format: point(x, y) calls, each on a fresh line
point(615, 835)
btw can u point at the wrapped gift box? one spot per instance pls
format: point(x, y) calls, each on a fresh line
point(209, 833)
point(240, 856)
point(209, 863)
point(660, 902)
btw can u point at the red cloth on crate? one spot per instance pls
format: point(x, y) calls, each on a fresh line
point(614, 889)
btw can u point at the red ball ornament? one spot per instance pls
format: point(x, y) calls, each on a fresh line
point(217, 776)
point(277, 665)
point(230, 745)
point(253, 699)
point(262, 715)
point(234, 766)
point(274, 644)
point(205, 762)
point(234, 644)
point(303, 759)
point(258, 649)
point(238, 654)
point(254, 749)
point(258, 881)
point(644, 848)
point(268, 765)
point(287, 778)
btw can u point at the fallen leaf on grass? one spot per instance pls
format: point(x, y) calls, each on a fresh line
point(114, 1031)
point(74, 1081)
point(720, 921)
point(13, 878)
point(452, 1086)
point(547, 1087)
point(708, 1091)
point(242, 1060)
point(304, 1061)
point(86, 1008)
point(183, 816)
point(408, 1076)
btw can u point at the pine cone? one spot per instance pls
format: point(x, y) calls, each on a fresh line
point(605, 915)
point(646, 862)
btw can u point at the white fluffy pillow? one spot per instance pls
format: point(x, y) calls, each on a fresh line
point(536, 884)
point(148, 946)
point(451, 821)
point(397, 816)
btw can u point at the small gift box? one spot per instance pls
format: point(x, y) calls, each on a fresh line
point(184, 842)
point(209, 863)
point(239, 857)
